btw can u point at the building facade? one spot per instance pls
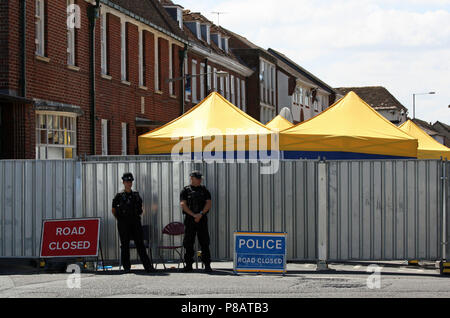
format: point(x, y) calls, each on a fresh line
point(84, 77)
point(304, 94)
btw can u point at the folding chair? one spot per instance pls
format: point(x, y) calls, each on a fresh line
point(172, 229)
point(146, 230)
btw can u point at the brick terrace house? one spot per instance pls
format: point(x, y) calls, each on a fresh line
point(380, 99)
point(62, 97)
point(210, 63)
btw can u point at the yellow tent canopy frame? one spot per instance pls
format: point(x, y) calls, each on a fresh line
point(428, 148)
point(212, 124)
point(350, 128)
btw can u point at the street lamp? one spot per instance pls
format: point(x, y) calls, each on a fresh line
point(414, 101)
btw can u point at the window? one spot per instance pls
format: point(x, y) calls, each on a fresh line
point(300, 95)
point(243, 101)
point(40, 27)
point(186, 73)
point(262, 81)
point(194, 81)
point(233, 95)
point(202, 81)
point(215, 88)
point(227, 87)
point(317, 102)
point(222, 88)
point(238, 92)
point(104, 45)
point(141, 59)
point(123, 50)
point(157, 57)
point(55, 136)
point(170, 69)
point(209, 79)
point(272, 85)
point(124, 139)
point(71, 38)
point(104, 137)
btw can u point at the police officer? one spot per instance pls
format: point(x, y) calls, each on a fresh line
point(127, 209)
point(196, 203)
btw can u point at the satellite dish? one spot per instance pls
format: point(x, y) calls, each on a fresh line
point(287, 114)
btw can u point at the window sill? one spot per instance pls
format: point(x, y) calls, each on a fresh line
point(126, 83)
point(107, 77)
point(173, 96)
point(158, 92)
point(143, 88)
point(42, 58)
point(73, 68)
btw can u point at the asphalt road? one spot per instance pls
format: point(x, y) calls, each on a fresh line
point(302, 280)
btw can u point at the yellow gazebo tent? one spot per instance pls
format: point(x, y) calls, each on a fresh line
point(428, 147)
point(279, 123)
point(214, 125)
point(349, 129)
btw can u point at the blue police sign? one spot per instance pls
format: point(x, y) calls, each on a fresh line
point(260, 252)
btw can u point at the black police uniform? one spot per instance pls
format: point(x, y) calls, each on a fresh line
point(128, 212)
point(196, 198)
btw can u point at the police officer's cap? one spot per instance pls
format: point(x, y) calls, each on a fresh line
point(128, 176)
point(196, 174)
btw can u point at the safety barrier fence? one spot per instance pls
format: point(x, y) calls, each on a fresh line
point(332, 210)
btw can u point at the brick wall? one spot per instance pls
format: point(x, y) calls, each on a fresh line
point(52, 80)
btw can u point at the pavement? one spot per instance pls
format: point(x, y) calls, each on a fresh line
point(387, 280)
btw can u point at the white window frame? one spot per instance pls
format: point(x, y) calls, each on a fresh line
point(171, 87)
point(40, 27)
point(232, 92)
point(202, 81)
point(272, 86)
point(141, 57)
point(238, 92)
point(123, 50)
point(49, 123)
point(104, 47)
point(157, 88)
point(227, 88)
point(104, 137)
point(71, 40)
point(124, 139)
point(215, 88)
point(209, 75)
point(222, 86)
point(194, 81)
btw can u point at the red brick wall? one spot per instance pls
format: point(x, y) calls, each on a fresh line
point(54, 81)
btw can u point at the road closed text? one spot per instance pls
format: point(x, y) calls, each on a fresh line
point(70, 244)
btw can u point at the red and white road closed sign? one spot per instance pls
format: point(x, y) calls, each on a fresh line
point(70, 238)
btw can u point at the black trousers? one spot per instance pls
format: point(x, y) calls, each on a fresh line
point(132, 230)
point(192, 229)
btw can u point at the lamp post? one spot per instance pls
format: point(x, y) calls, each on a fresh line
point(414, 101)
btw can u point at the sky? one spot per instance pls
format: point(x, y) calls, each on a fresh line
point(403, 45)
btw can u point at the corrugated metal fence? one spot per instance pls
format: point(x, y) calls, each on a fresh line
point(374, 210)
